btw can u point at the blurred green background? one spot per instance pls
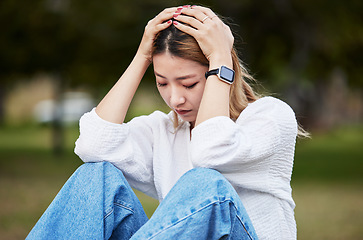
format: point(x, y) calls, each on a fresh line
point(59, 57)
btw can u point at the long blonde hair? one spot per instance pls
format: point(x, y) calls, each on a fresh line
point(182, 45)
point(185, 46)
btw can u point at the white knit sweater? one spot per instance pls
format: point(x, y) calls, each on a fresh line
point(255, 154)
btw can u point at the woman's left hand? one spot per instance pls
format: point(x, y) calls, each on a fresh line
point(213, 36)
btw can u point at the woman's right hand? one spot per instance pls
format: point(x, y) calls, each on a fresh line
point(114, 105)
point(153, 27)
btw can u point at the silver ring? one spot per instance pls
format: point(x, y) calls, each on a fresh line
point(205, 19)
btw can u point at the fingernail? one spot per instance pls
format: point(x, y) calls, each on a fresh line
point(179, 9)
point(169, 22)
point(175, 23)
point(186, 6)
point(176, 15)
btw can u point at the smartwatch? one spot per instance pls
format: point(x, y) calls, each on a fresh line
point(224, 73)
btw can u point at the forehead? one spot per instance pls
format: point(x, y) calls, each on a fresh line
point(166, 63)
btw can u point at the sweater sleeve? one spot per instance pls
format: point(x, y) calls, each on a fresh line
point(245, 145)
point(128, 146)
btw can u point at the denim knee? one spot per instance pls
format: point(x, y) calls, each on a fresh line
point(88, 171)
point(209, 182)
point(122, 212)
point(205, 175)
point(93, 166)
point(205, 171)
point(202, 204)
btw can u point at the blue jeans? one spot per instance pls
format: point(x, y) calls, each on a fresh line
point(98, 203)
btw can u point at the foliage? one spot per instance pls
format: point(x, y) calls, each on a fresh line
point(92, 42)
point(297, 40)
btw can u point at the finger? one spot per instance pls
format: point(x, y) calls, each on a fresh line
point(197, 14)
point(184, 28)
point(169, 10)
point(191, 21)
point(205, 10)
point(161, 21)
point(165, 15)
point(163, 25)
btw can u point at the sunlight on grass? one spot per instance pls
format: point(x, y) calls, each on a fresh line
point(327, 181)
point(328, 211)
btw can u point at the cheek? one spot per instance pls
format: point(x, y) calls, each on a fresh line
point(164, 95)
point(198, 97)
point(199, 94)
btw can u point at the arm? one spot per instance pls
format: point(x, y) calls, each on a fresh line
point(114, 105)
point(216, 41)
point(128, 146)
point(255, 152)
point(103, 137)
point(265, 128)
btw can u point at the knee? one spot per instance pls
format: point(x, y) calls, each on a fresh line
point(200, 179)
point(200, 187)
point(203, 174)
point(96, 171)
point(91, 167)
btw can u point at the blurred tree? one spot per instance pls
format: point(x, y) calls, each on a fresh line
point(290, 43)
point(294, 46)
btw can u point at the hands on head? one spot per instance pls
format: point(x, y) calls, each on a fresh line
point(207, 40)
point(213, 36)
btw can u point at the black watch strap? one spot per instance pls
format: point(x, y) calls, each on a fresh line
point(224, 73)
point(211, 72)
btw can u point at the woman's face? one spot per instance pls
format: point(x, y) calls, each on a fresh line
point(180, 83)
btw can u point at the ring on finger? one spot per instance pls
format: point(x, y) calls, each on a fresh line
point(205, 19)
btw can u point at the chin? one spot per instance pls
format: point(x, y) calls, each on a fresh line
point(187, 118)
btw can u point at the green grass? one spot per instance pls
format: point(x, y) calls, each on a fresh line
point(329, 211)
point(328, 185)
point(327, 181)
point(336, 156)
point(31, 175)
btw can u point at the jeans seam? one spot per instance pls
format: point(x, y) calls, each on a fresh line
point(120, 205)
point(244, 227)
point(182, 219)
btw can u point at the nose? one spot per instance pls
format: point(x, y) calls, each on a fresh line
point(177, 98)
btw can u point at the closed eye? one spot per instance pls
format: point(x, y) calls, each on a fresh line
point(161, 84)
point(191, 86)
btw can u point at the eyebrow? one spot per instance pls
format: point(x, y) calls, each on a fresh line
point(178, 78)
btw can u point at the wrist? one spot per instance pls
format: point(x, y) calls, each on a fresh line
point(225, 74)
point(143, 56)
point(218, 61)
point(142, 59)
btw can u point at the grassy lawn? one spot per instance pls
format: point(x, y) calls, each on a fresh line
point(328, 185)
point(327, 181)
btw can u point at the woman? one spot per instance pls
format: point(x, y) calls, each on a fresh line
point(220, 163)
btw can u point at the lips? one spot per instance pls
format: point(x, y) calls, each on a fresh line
point(182, 112)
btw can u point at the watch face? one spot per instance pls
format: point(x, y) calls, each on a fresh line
point(227, 74)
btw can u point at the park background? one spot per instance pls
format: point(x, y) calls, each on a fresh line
point(58, 58)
